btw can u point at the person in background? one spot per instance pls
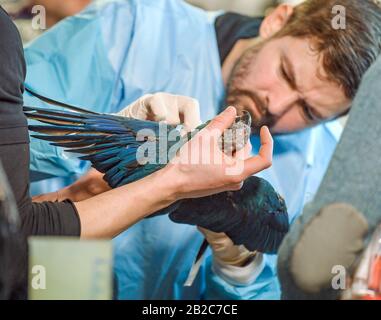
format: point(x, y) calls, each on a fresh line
point(22, 13)
point(56, 10)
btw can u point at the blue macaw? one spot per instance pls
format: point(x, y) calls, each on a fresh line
point(256, 216)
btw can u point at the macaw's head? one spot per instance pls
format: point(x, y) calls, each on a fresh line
point(256, 216)
point(307, 63)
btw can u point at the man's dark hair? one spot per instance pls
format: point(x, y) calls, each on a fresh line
point(346, 53)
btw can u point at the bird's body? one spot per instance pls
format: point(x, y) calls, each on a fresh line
point(126, 150)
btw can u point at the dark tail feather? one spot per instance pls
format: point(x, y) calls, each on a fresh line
point(58, 130)
point(80, 138)
point(58, 103)
point(54, 120)
point(89, 148)
point(54, 112)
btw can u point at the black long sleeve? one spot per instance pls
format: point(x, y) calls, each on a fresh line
point(37, 219)
point(48, 218)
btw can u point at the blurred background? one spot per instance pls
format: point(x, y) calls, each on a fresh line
point(21, 10)
point(248, 7)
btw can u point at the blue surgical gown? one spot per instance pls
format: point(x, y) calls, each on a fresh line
point(113, 53)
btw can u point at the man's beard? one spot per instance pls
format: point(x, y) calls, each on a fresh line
point(235, 93)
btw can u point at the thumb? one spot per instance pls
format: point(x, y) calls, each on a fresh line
point(156, 106)
point(223, 121)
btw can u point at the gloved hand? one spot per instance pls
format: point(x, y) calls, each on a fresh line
point(235, 264)
point(224, 251)
point(173, 109)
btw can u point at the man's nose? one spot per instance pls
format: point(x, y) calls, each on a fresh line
point(280, 101)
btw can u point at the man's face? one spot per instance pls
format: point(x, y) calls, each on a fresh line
point(281, 82)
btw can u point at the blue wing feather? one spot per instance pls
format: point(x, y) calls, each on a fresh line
point(108, 141)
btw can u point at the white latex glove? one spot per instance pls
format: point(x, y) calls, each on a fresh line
point(224, 250)
point(173, 109)
point(235, 264)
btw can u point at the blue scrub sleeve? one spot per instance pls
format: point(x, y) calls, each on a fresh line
point(264, 286)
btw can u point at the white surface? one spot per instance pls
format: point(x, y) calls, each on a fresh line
point(249, 7)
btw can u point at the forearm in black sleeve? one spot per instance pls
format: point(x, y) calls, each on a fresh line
point(49, 218)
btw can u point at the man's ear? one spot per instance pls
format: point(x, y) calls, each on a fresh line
point(275, 21)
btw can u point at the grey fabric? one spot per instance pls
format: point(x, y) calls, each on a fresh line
point(320, 247)
point(353, 177)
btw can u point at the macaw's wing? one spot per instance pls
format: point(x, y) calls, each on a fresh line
point(124, 149)
point(255, 216)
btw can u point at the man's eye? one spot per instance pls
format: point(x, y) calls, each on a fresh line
point(308, 113)
point(285, 74)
